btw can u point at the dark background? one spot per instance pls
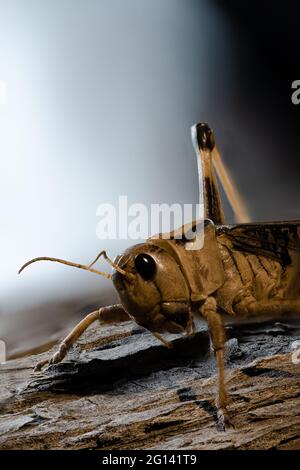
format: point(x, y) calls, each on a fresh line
point(267, 40)
point(269, 60)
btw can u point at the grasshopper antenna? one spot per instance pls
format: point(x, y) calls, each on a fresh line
point(68, 263)
point(114, 265)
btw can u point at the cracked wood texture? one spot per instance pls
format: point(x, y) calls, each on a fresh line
point(119, 388)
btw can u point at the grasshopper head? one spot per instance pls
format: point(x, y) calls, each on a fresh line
point(153, 291)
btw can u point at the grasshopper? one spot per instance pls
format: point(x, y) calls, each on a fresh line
point(242, 271)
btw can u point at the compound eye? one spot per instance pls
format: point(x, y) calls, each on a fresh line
point(145, 266)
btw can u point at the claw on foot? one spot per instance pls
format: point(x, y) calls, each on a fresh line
point(224, 422)
point(55, 359)
point(40, 365)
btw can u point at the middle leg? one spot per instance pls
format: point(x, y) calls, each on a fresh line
point(217, 333)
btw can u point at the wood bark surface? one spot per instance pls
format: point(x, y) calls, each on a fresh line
point(119, 388)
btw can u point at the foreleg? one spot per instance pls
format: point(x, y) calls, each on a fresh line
point(110, 314)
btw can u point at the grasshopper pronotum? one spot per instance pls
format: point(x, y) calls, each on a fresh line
point(243, 270)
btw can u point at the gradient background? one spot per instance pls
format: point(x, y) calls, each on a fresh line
point(101, 95)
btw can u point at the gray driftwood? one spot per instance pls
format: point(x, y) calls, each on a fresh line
point(133, 393)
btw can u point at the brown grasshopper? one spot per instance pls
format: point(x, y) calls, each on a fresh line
point(245, 270)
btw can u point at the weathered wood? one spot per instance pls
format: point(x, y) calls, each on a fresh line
point(133, 393)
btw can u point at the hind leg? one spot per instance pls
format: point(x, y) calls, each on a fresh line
point(272, 308)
